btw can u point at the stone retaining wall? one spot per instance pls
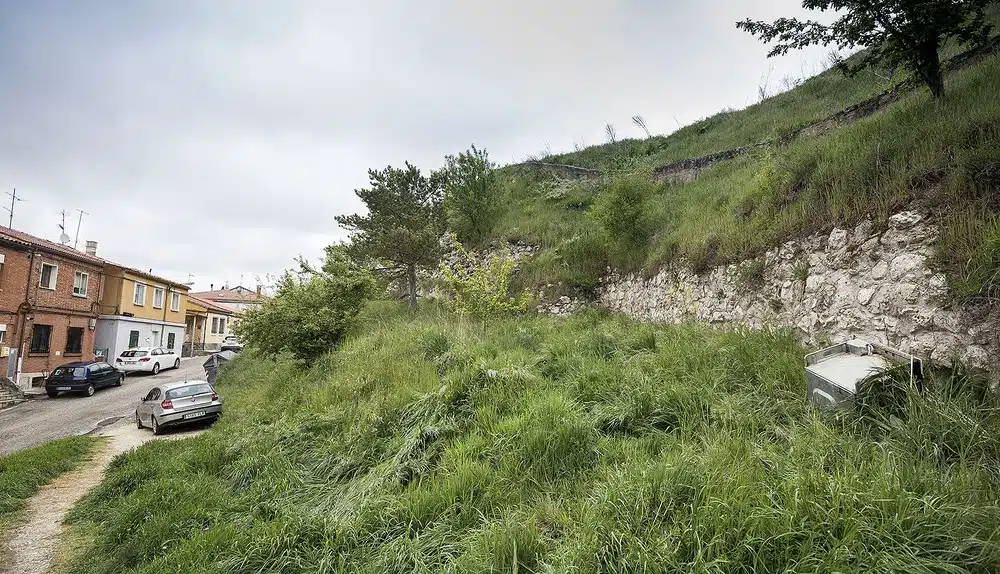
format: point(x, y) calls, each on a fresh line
point(829, 287)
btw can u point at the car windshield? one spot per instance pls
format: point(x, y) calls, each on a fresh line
point(188, 391)
point(133, 353)
point(67, 371)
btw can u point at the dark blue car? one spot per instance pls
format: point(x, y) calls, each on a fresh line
point(82, 377)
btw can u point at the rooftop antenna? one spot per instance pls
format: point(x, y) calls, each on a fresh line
point(13, 198)
point(63, 238)
point(78, 222)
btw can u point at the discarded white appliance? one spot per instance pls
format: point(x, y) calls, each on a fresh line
point(833, 373)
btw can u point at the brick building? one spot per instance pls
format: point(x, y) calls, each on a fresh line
point(49, 303)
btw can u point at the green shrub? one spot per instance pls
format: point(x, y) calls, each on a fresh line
point(481, 289)
point(621, 210)
point(309, 316)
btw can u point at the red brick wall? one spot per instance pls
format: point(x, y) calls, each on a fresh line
point(57, 307)
point(60, 323)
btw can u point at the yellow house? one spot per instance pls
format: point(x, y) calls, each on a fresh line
point(139, 309)
point(208, 323)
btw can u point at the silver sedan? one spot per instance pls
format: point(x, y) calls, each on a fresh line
point(175, 404)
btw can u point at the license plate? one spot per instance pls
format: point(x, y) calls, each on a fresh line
point(195, 415)
point(62, 388)
point(129, 362)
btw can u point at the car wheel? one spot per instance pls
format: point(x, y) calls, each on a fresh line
point(156, 426)
point(138, 421)
point(90, 390)
point(156, 368)
point(177, 364)
point(52, 394)
point(121, 379)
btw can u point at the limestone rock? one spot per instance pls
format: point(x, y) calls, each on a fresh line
point(865, 295)
point(905, 220)
point(837, 240)
point(906, 266)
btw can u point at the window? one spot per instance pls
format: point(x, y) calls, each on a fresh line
point(133, 353)
point(133, 339)
point(189, 391)
point(170, 341)
point(175, 299)
point(3, 333)
point(139, 298)
point(74, 340)
point(157, 298)
point(215, 325)
point(153, 395)
point(80, 280)
point(222, 325)
point(75, 372)
point(40, 338)
point(48, 276)
point(1, 269)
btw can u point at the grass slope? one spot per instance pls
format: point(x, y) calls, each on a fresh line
point(430, 444)
point(24, 472)
point(943, 156)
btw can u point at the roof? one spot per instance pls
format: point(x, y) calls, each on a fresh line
point(236, 294)
point(211, 305)
point(146, 275)
point(48, 246)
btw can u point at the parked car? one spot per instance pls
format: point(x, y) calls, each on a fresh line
point(175, 404)
point(148, 360)
point(231, 343)
point(82, 377)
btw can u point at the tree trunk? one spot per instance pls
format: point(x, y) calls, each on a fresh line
point(411, 284)
point(930, 68)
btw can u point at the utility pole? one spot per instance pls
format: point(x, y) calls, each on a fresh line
point(78, 222)
point(13, 198)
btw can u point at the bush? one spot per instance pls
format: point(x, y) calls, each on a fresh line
point(623, 214)
point(472, 194)
point(481, 287)
point(309, 316)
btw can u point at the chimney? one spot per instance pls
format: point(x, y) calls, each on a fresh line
point(211, 286)
point(91, 248)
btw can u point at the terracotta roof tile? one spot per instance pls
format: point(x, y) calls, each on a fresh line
point(49, 246)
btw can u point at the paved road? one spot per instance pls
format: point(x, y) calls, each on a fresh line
point(41, 420)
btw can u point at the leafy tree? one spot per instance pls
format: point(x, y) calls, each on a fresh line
point(311, 310)
point(471, 194)
point(403, 226)
point(481, 287)
point(905, 33)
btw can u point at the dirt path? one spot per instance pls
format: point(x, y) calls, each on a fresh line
point(32, 545)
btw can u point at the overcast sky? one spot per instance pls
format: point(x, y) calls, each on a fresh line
point(219, 138)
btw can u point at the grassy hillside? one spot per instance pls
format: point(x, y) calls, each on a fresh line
point(943, 157)
point(429, 444)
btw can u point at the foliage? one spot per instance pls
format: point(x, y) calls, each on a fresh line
point(428, 443)
point(622, 211)
point(480, 286)
point(750, 274)
point(801, 271)
point(403, 225)
point(472, 194)
point(894, 32)
point(22, 473)
point(309, 314)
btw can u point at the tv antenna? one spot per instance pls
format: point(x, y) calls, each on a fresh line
point(13, 198)
point(78, 222)
point(63, 237)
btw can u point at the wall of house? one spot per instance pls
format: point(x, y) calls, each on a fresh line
point(213, 340)
point(126, 300)
point(114, 333)
point(58, 308)
point(13, 286)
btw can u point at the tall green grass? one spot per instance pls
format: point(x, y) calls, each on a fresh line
point(594, 444)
